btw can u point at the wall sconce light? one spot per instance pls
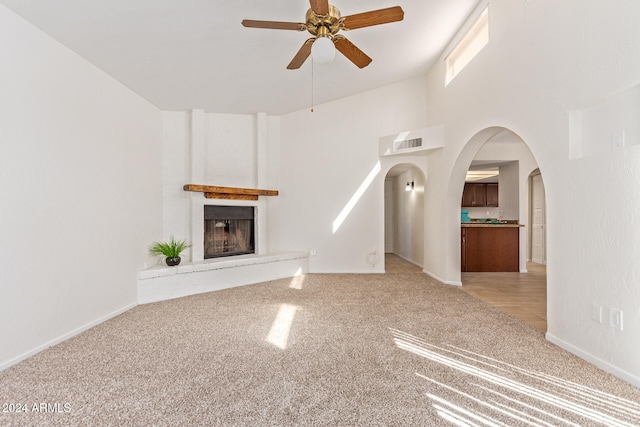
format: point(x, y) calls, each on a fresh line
point(409, 186)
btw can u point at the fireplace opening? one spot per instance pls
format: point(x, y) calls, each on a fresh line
point(228, 230)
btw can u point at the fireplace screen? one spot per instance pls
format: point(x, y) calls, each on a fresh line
point(228, 230)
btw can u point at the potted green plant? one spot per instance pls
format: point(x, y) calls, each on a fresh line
point(170, 249)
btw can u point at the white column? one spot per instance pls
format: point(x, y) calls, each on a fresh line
point(262, 139)
point(197, 140)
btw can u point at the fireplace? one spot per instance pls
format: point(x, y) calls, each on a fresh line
point(228, 230)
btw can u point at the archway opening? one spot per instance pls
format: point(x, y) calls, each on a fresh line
point(404, 213)
point(512, 168)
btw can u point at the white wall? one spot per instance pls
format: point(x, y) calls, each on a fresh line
point(409, 217)
point(176, 172)
point(80, 179)
point(546, 60)
point(332, 180)
point(389, 214)
point(509, 191)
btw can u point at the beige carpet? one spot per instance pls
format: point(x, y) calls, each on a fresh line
point(393, 349)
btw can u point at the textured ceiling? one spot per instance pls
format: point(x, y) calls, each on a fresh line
point(184, 54)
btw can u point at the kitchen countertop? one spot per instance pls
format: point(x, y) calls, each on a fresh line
point(489, 224)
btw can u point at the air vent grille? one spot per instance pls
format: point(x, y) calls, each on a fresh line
point(408, 144)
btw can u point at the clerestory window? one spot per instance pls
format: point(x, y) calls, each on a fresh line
point(468, 47)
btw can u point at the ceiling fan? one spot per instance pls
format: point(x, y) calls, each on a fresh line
point(324, 21)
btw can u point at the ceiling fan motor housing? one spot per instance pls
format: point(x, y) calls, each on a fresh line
point(324, 25)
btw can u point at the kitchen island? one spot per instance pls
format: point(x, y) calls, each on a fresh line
point(487, 246)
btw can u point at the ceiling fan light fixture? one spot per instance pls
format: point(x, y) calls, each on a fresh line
point(323, 21)
point(323, 51)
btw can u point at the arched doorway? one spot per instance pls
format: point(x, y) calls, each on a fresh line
point(521, 200)
point(404, 213)
point(504, 164)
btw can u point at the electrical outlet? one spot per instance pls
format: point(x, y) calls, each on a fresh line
point(615, 318)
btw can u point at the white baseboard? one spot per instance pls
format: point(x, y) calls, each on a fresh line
point(439, 279)
point(408, 260)
point(64, 337)
point(602, 364)
point(376, 271)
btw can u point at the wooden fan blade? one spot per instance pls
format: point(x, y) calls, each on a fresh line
point(352, 52)
point(374, 17)
point(319, 7)
point(274, 25)
point(302, 55)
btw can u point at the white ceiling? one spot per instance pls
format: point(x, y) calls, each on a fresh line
point(185, 54)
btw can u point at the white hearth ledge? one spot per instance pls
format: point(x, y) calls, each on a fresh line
point(161, 283)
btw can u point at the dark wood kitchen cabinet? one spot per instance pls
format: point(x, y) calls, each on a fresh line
point(489, 248)
point(492, 195)
point(477, 195)
point(473, 195)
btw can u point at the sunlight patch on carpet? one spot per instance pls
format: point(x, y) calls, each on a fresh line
point(281, 326)
point(297, 281)
point(459, 415)
point(501, 391)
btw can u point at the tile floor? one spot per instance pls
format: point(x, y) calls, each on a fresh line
point(522, 295)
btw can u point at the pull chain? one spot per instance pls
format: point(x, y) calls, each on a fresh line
point(312, 85)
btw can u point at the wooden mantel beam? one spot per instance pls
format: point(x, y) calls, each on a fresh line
point(216, 192)
point(230, 196)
